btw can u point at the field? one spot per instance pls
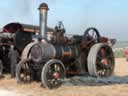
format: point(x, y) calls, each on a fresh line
point(117, 85)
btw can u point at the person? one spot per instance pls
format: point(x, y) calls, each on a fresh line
point(13, 56)
point(126, 53)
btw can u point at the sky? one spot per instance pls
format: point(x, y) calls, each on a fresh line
point(110, 17)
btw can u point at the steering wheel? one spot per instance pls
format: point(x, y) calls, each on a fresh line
point(91, 35)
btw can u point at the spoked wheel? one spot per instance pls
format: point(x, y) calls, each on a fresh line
point(1, 68)
point(92, 35)
point(23, 73)
point(52, 74)
point(101, 61)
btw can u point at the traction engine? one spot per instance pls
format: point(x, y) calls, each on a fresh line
point(52, 55)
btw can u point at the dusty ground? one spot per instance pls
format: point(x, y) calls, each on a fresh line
point(117, 85)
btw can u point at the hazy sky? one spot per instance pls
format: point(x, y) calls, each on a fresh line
point(109, 16)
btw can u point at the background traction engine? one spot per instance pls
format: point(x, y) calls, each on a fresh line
point(52, 55)
point(14, 37)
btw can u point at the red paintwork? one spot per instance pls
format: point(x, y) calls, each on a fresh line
point(56, 75)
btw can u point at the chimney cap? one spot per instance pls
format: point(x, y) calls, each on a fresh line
point(43, 6)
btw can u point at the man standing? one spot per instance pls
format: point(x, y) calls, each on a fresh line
point(126, 54)
point(13, 56)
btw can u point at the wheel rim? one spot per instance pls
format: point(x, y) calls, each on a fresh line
point(1, 68)
point(54, 75)
point(104, 62)
point(24, 74)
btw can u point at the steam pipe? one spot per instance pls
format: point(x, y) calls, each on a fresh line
point(43, 8)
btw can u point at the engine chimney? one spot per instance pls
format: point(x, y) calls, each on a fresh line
point(43, 8)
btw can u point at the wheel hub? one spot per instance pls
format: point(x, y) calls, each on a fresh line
point(56, 75)
point(104, 61)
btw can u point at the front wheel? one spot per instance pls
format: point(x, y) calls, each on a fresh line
point(52, 74)
point(101, 60)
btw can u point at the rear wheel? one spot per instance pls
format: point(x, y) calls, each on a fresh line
point(101, 60)
point(52, 74)
point(22, 72)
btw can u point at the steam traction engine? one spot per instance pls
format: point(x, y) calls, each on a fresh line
point(52, 56)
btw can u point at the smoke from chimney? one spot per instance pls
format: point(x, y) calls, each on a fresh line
point(14, 11)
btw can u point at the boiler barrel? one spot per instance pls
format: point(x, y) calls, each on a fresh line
point(65, 52)
point(44, 51)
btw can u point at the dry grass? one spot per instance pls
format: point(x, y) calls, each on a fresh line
point(34, 88)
